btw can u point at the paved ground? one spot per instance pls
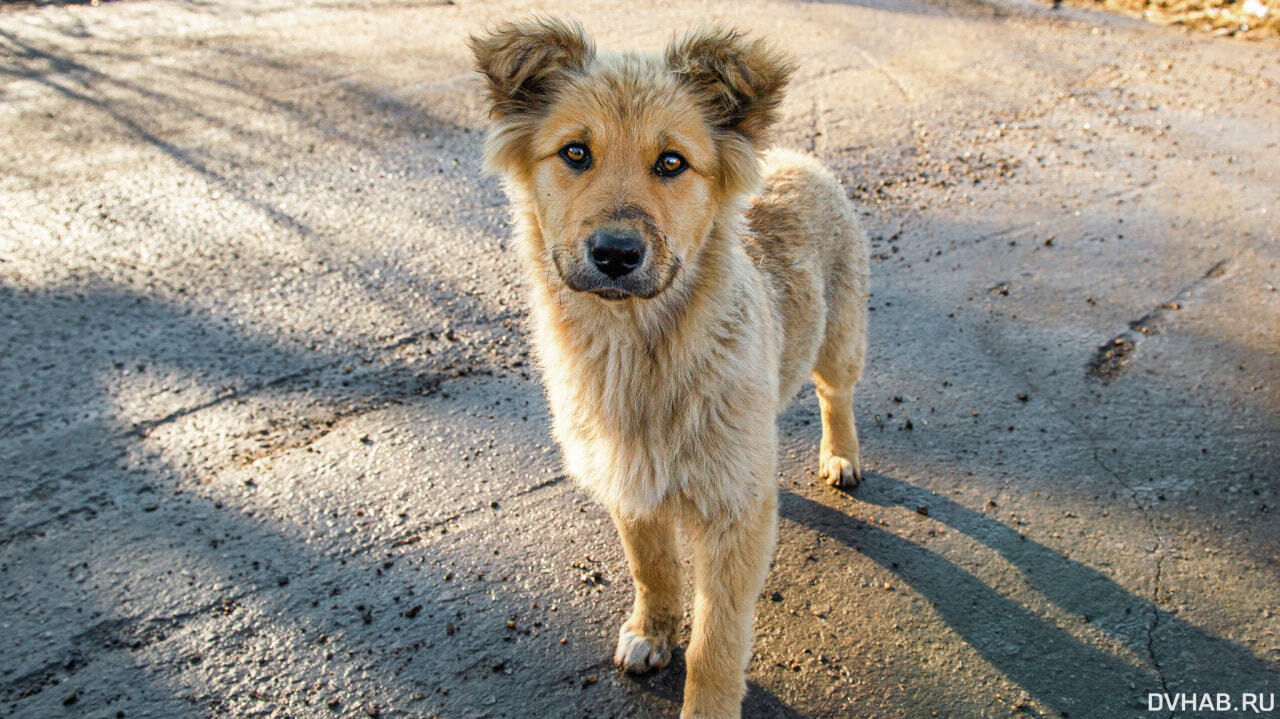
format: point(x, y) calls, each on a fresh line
point(271, 445)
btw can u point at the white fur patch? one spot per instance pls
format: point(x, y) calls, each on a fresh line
point(839, 472)
point(639, 654)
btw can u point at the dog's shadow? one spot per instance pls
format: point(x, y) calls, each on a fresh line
point(1049, 662)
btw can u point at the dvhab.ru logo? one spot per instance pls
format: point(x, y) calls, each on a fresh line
point(1254, 702)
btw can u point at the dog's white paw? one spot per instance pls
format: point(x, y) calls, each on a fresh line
point(638, 654)
point(840, 472)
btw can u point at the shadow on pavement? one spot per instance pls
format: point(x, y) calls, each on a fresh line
point(86, 485)
point(1073, 677)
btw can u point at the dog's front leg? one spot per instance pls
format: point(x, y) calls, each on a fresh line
point(730, 560)
point(646, 639)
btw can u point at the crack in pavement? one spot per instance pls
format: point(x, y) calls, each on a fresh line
point(1159, 558)
point(1151, 628)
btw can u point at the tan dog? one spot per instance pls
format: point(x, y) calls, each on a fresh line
point(676, 311)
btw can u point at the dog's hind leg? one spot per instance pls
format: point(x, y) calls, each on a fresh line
point(646, 639)
point(730, 560)
point(836, 372)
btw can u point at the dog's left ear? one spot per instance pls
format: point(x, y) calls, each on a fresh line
point(739, 80)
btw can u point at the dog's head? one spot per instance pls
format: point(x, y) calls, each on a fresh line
point(626, 161)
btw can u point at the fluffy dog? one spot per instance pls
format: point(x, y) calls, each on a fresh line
point(684, 283)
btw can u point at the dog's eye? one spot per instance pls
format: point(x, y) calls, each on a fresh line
point(670, 164)
point(576, 155)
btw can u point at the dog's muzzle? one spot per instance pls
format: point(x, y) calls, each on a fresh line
point(614, 263)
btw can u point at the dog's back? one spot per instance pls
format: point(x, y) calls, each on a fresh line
point(806, 238)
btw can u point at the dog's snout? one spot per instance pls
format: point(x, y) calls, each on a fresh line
point(615, 253)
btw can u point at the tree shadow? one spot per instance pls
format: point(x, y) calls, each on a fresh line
point(415, 616)
point(135, 107)
point(177, 109)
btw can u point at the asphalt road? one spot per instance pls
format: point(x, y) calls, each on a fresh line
point(271, 444)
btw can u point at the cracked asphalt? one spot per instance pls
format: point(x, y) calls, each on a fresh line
point(272, 444)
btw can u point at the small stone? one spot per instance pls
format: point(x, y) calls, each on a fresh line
point(449, 628)
point(775, 597)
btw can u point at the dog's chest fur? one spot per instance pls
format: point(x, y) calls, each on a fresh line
point(646, 397)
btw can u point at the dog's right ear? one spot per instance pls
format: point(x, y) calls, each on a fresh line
point(524, 62)
point(740, 81)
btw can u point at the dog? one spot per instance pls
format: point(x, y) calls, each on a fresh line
point(684, 283)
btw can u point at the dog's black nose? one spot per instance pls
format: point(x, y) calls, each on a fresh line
point(615, 254)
